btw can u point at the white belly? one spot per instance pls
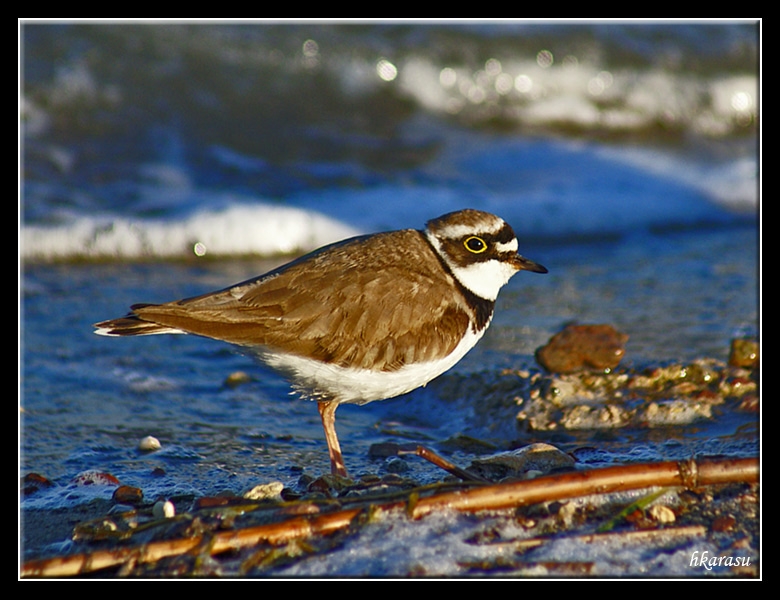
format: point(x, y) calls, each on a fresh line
point(318, 380)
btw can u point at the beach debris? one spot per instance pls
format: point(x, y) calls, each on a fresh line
point(673, 394)
point(203, 536)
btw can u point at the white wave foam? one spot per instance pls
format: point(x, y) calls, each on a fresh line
point(734, 184)
point(583, 94)
point(234, 231)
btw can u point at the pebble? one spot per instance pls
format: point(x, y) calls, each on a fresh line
point(32, 482)
point(536, 459)
point(580, 347)
point(329, 483)
point(92, 477)
point(149, 444)
point(265, 491)
point(163, 509)
point(397, 465)
point(744, 353)
point(674, 394)
point(127, 494)
point(237, 378)
point(675, 412)
point(661, 514)
point(724, 523)
point(584, 416)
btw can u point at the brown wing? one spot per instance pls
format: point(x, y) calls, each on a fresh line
point(387, 305)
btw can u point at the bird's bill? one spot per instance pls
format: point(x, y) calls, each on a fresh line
point(524, 264)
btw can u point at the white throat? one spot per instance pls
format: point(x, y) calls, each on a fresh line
point(485, 279)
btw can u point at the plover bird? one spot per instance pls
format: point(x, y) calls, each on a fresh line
point(364, 319)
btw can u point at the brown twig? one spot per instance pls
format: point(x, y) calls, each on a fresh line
point(442, 463)
point(595, 481)
point(485, 498)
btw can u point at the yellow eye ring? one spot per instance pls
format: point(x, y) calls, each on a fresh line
point(475, 245)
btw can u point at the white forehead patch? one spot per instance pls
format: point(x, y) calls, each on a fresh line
point(458, 230)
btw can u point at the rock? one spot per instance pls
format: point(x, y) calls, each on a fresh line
point(237, 378)
point(329, 484)
point(580, 347)
point(661, 514)
point(584, 416)
point(32, 482)
point(397, 465)
point(675, 412)
point(127, 494)
point(93, 477)
point(533, 459)
point(265, 491)
point(724, 523)
point(163, 509)
point(744, 353)
point(149, 444)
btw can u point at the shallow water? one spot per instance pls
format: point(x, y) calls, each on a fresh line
point(88, 400)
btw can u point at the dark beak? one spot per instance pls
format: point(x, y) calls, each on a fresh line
point(524, 264)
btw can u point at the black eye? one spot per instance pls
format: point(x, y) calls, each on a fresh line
point(475, 244)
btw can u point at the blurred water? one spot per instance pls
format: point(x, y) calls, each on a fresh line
point(130, 132)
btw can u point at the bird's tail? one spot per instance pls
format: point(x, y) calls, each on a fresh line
point(132, 324)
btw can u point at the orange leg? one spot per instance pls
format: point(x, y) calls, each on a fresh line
point(328, 416)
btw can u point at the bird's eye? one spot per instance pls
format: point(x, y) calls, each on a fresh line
point(475, 244)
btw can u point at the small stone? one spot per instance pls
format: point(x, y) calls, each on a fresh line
point(328, 483)
point(744, 353)
point(265, 491)
point(369, 479)
point(661, 514)
point(32, 482)
point(580, 347)
point(675, 412)
point(127, 494)
point(536, 458)
point(149, 444)
point(237, 378)
point(724, 523)
point(163, 509)
point(93, 477)
point(397, 465)
point(584, 416)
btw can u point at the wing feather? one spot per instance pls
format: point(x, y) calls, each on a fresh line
point(381, 309)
